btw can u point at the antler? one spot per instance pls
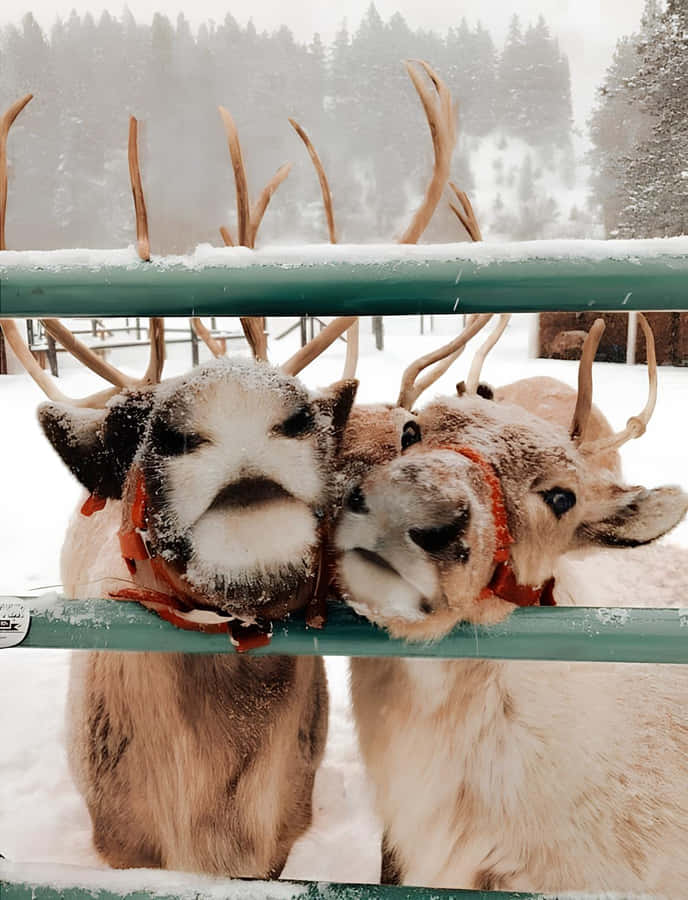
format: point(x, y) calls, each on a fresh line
point(636, 425)
point(320, 342)
point(6, 123)
point(466, 215)
point(352, 334)
point(439, 111)
point(410, 389)
point(473, 379)
point(248, 222)
point(156, 331)
point(142, 241)
point(322, 178)
point(43, 380)
point(254, 330)
point(204, 334)
point(263, 200)
point(581, 413)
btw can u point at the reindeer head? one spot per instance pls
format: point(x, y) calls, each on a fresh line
point(483, 495)
point(235, 460)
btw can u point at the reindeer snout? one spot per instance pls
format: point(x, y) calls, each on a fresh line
point(437, 538)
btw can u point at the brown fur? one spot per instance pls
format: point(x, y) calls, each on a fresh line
point(195, 762)
point(186, 761)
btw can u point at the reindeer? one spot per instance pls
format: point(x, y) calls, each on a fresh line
point(509, 775)
point(216, 488)
point(209, 498)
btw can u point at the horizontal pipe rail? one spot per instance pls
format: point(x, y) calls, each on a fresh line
point(257, 890)
point(542, 633)
point(529, 277)
point(20, 881)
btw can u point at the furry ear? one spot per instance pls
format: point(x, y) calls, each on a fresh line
point(336, 402)
point(77, 436)
point(629, 516)
point(98, 445)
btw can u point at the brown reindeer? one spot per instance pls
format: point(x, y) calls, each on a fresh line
point(519, 776)
point(208, 499)
point(200, 762)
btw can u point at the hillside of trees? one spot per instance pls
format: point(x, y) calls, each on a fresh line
point(640, 128)
point(69, 181)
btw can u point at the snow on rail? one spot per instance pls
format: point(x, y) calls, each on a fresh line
point(484, 253)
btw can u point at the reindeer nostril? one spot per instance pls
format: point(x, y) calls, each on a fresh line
point(434, 540)
point(356, 501)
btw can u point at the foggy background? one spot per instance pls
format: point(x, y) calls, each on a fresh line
point(572, 117)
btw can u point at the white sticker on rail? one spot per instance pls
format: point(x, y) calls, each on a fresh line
point(14, 622)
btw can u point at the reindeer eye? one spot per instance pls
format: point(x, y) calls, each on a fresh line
point(167, 441)
point(559, 500)
point(300, 423)
point(410, 435)
point(356, 501)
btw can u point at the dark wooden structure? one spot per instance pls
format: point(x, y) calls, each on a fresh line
point(560, 336)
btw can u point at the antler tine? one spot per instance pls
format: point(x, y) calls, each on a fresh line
point(636, 425)
point(479, 359)
point(142, 241)
point(261, 204)
point(439, 111)
point(156, 362)
point(581, 414)
point(352, 347)
point(352, 335)
point(254, 331)
point(320, 343)
point(322, 178)
point(204, 334)
point(410, 391)
point(85, 354)
point(6, 123)
point(156, 325)
point(466, 215)
point(42, 379)
point(243, 213)
point(226, 236)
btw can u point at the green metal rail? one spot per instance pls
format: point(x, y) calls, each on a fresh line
point(214, 889)
point(542, 633)
point(461, 281)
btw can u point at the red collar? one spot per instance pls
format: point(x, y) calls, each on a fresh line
point(161, 587)
point(503, 583)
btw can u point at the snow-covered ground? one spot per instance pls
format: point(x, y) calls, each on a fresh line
point(42, 818)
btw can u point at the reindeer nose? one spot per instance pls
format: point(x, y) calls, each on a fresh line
point(433, 540)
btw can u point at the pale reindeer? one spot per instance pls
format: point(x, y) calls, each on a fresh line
point(539, 776)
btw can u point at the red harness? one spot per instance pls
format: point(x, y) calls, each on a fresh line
point(503, 583)
point(174, 605)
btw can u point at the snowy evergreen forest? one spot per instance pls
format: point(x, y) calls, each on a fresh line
point(640, 129)
point(519, 155)
point(69, 181)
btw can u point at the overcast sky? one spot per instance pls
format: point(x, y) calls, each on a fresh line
point(587, 29)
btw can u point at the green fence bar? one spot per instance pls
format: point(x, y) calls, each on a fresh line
point(454, 278)
point(542, 633)
point(261, 890)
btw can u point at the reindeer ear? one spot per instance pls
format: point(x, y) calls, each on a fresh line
point(77, 436)
point(337, 402)
point(629, 516)
point(98, 445)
